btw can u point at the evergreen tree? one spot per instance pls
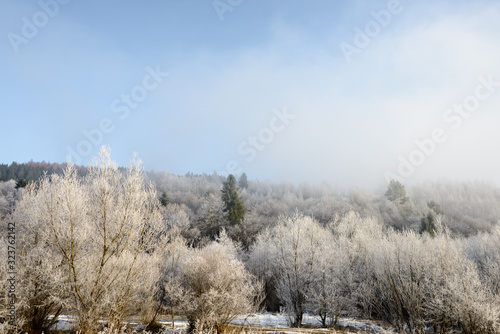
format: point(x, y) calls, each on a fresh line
point(243, 181)
point(396, 192)
point(428, 224)
point(21, 183)
point(233, 206)
point(164, 200)
point(435, 207)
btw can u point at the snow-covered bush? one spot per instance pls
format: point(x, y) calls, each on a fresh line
point(357, 237)
point(216, 286)
point(330, 292)
point(165, 293)
point(300, 258)
point(94, 236)
point(484, 250)
point(423, 282)
point(399, 264)
point(456, 297)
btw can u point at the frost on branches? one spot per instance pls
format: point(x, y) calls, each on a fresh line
point(89, 244)
point(217, 286)
point(302, 261)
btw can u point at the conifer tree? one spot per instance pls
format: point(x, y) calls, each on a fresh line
point(243, 181)
point(396, 192)
point(233, 206)
point(164, 200)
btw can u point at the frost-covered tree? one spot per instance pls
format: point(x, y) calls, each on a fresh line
point(484, 250)
point(424, 282)
point(399, 271)
point(172, 290)
point(261, 264)
point(329, 294)
point(216, 286)
point(41, 287)
point(9, 195)
point(293, 249)
point(164, 294)
point(357, 237)
point(102, 230)
point(457, 297)
point(177, 216)
point(212, 216)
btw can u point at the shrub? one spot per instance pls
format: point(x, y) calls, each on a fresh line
point(217, 286)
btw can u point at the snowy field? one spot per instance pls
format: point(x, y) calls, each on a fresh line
point(265, 320)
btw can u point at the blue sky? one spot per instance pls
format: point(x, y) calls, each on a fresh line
point(365, 86)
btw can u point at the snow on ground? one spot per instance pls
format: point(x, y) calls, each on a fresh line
point(283, 321)
point(63, 323)
point(178, 324)
point(359, 324)
point(263, 320)
point(67, 323)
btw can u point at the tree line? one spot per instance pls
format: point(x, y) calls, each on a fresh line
point(32, 171)
point(120, 242)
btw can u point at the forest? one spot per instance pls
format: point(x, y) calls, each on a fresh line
point(105, 244)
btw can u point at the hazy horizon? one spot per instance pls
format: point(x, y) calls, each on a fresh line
point(348, 93)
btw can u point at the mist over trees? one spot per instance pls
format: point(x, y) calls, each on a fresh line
point(112, 242)
point(466, 208)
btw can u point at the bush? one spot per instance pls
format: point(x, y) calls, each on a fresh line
point(217, 286)
point(428, 282)
point(89, 244)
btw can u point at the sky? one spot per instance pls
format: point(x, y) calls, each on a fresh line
point(352, 93)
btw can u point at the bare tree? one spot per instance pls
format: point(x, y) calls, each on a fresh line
point(177, 216)
point(330, 292)
point(399, 270)
point(212, 216)
point(103, 230)
point(357, 237)
point(164, 293)
point(294, 248)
